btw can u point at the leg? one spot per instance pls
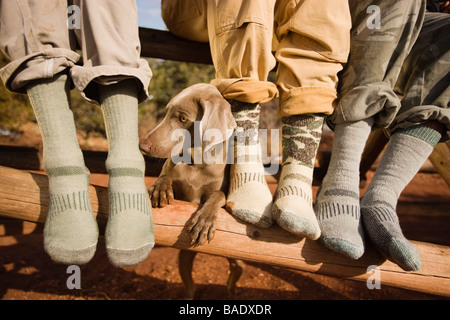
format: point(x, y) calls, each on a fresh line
point(242, 57)
point(337, 204)
point(307, 78)
point(293, 206)
point(70, 232)
point(35, 53)
point(240, 36)
point(367, 100)
point(114, 75)
point(236, 267)
point(249, 197)
point(423, 120)
point(129, 232)
point(39, 68)
point(110, 45)
point(406, 152)
point(202, 224)
point(185, 263)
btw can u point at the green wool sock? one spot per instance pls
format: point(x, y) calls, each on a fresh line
point(249, 197)
point(406, 152)
point(337, 203)
point(293, 206)
point(129, 231)
point(70, 231)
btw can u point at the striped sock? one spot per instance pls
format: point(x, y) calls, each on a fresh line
point(337, 203)
point(129, 231)
point(249, 197)
point(406, 152)
point(70, 231)
point(293, 208)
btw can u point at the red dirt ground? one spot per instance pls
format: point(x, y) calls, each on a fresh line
point(27, 273)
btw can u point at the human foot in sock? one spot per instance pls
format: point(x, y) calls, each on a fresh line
point(129, 231)
point(70, 231)
point(337, 203)
point(249, 197)
point(406, 152)
point(293, 209)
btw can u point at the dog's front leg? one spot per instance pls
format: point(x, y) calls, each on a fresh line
point(161, 193)
point(202, 225)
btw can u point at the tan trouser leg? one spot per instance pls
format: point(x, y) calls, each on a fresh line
point(314, 43)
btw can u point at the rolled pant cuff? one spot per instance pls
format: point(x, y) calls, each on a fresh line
point(308, 100)
point(246, 90)
point(84, 77)
point(39, 65)
point(376, 100)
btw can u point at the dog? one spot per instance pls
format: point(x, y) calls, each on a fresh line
point(197, 110)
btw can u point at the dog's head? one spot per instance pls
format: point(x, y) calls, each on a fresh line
point(196, 110)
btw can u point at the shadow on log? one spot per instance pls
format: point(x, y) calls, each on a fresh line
point(24, 196)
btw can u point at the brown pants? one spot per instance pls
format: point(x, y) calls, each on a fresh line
point(311, 44)
point(40, 41)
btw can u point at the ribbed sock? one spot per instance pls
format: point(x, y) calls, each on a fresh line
point(293, 206)
point(249, 197)
point(405, 154)
point(129, 231)
point(70, 231)
point(337, 203)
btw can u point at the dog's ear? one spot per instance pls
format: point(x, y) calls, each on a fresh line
point(217, 121)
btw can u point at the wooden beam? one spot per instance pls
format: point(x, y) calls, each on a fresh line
point(440, 158)
point(24, 196)
point(29, 158)
point(374, 146)
point(164, 45)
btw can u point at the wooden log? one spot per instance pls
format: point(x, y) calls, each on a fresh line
point(440, 158)
point(164, 45)
point(24, 196)
point(29, 158)
point(374, 146)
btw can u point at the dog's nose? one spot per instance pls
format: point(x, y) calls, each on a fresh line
point(145, 146)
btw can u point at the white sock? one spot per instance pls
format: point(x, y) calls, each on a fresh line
point(130, 231)
point(70, 231)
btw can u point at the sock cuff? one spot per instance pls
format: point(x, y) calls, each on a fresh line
point(304, 120)
point(424, 133)
point(238, 106)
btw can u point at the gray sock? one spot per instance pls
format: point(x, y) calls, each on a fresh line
point(129, 231)
point(337, 204)
point(70, 231)
point(406, 152)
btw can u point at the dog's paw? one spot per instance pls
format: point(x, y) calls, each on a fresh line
point(161, 193)
point(202, 227)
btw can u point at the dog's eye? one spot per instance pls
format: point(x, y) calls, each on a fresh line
point(183, 119)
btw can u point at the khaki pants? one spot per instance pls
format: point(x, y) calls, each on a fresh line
point(35, 35)
point(424, 80)
point(311, 44)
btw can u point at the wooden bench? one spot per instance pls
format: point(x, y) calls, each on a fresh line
point(24, 196)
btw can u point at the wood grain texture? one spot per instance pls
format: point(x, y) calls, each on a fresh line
point(24, 196)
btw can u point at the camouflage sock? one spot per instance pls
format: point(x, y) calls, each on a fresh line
point(406, 152)
point(293, 208)
point(337, 203)
point(70, 231)
point(129, 231)
point(249, 197)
